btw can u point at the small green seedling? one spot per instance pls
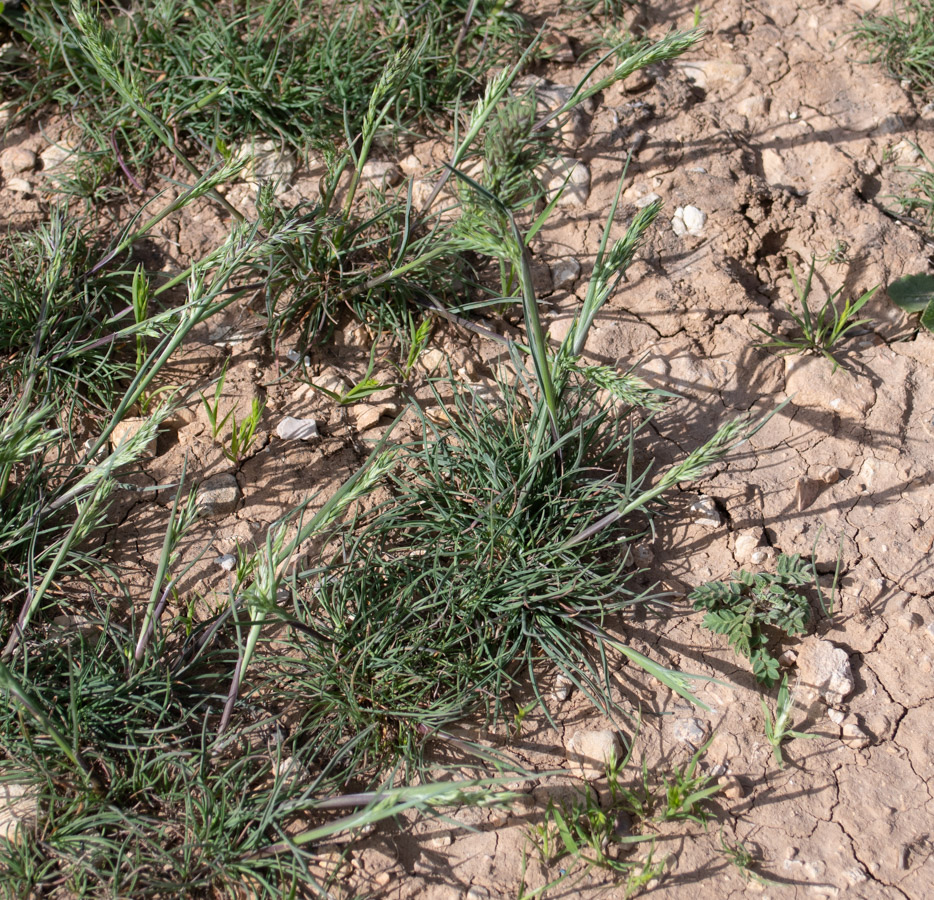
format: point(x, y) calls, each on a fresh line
point(778, 727)
point(242, 433)
point(744, 606)
point(213, 409)
point(915, 293)
point(738, 854)
point(686, 790)
point(823, 330)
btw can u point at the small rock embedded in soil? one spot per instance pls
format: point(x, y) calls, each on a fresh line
point(815, 385)
point(688, 220)
point(384, 174)
point(564, 272)
point(826, 474)
point(126, 429)
point(228, 562)
point(825, 672)
point(266, 161)
point(18, 186)
point(646, 200)
point(753, 107)
point(54, 157)
point(555, 173)
point(854, 736)
point(218, 496)
point(562, 688)
point(730, 787)
point(592, 750)
point(706, 512)
point(761, 555)
point(707, 73)
point(18, 805)
point(746, 543)
point(806, 492)
point(16, 161)
point(909, 621)
point(369, 414)
point(292, 429)
point(689, 731)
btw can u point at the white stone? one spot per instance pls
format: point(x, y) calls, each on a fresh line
point(54, 156)
point(746, 542)
point(383, 174)
point(18, 806)
point(564, 272)
point(16, 161)
point(691, 218)
point(218, 496)
point(228, 562)
point(18, 186)
point(590, 751)
point(562, 689)
point(292, 429)
point(643, 201)
point(825, 671)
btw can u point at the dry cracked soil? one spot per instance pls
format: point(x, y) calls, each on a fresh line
point(770, 140)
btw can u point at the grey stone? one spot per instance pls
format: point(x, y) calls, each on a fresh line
point(689, 731)
point(218, 496)
point(564, 272)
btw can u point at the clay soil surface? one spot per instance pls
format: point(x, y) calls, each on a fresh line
point(788, 147)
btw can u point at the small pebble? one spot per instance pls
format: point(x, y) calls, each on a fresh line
point(854, 736)
point(591, 750)
point(384, 174)
point(706, 512)
point(689, 731)
point(564, 272)
point(688, 220)
point(909, 621)
point(730, 787)
point(292, 429)
point(228, 562)
point(218, 496)
point(647, 199)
